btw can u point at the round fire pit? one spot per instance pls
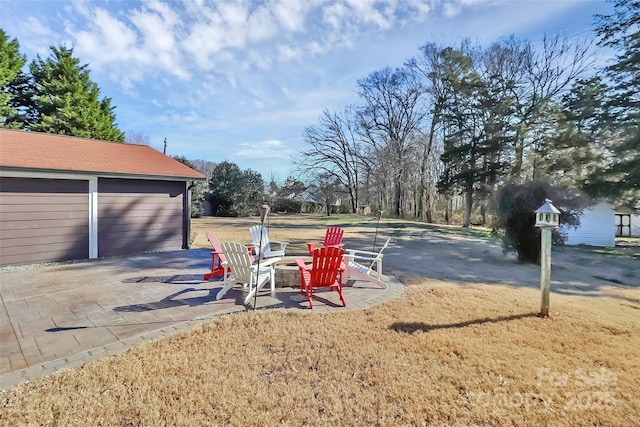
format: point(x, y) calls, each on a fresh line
point(287, 271)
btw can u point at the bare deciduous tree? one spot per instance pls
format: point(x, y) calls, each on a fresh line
point(392, 115)
point(333, 150)
point(137, 137)
point(546, 73)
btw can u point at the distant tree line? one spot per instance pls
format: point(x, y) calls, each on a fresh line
point(232, 192)
point(461, 122)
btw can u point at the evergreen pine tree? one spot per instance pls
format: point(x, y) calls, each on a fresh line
point(620, 178)
point(11, 63)
point(68, 101)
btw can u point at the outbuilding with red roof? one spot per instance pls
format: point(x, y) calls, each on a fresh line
point(64, 198)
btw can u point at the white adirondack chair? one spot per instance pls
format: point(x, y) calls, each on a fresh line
point(365, 265)
point(266, 251)
point(244, 272)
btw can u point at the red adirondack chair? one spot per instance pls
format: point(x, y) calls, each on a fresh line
point(332, 237)
point(217, 257)
point(325, 271)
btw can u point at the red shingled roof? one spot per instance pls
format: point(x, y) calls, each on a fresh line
point(35, 150)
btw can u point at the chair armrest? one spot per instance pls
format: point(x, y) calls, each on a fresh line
point(216, 255)
point(362, 254)
point(310, 246)
point(302, 265)
point(282, 244)
point(264, 263)
point(269, 261)
point(356, 258)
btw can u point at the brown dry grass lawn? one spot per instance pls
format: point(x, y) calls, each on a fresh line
point(444, 353)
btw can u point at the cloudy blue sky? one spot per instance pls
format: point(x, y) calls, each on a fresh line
point(240, 80)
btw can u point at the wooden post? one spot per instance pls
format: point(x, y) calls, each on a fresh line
point(545, 271)
point(548, 219)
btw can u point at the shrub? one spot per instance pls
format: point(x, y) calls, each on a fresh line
point(516, 206)
point(287, 205)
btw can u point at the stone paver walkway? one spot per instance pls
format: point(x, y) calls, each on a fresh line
point(62, 316)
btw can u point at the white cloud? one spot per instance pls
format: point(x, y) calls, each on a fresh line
point(157, 38)
point(256, 59)
point(269, 149)
point(129, 50)
point(287, 53)
point(273, 143)
point(335, 15)
point(78, 6)
point(40, 37)
point(157, 25)
point(291, 14)
point(416, 10)
point(365, 11)
point(163, 37)
point(261, 25)
point(181, 118)
point(109, 46)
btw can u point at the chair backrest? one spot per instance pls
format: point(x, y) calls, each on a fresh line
point(238, 259)
point(211, 237)
point(326, 266)
point(379, 256)
point(255, 231)
point(385, 245)
point(333, 236)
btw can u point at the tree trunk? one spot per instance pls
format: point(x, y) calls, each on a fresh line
point(353, 194)
point(468, 206)
point(516, 168)
point(447, 211)
point(427, 213)
point(425, 198)
point(397, 195)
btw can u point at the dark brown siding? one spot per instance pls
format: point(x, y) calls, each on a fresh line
point(43, 220)
point(139, 216)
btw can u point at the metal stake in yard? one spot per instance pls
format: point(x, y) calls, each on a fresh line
point(547, 218)
point(376, 235)
point(264, 212)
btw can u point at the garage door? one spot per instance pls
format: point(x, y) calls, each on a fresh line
point(43, 220)
point(137, 216)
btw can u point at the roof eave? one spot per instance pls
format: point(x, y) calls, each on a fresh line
point(102, 174)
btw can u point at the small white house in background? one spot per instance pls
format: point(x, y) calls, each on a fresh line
point(597, 227)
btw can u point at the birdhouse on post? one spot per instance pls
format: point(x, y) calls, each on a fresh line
point(547, 218)
point(547, 215)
